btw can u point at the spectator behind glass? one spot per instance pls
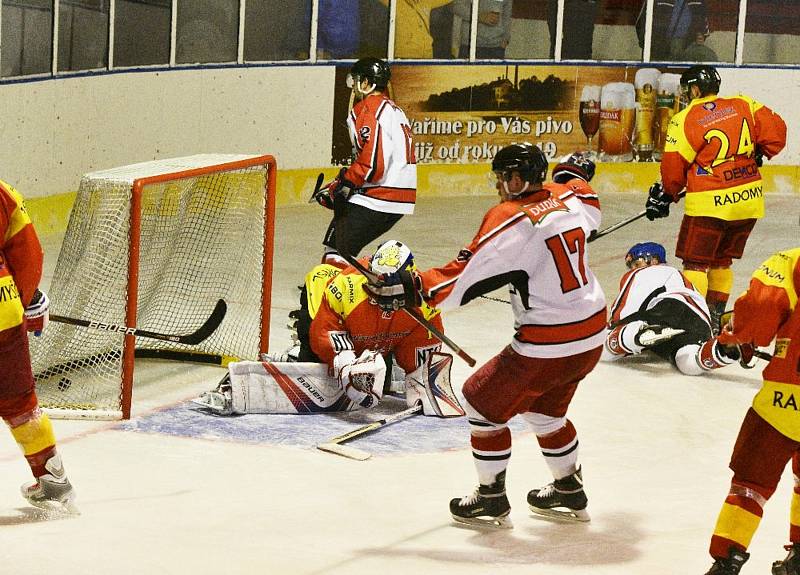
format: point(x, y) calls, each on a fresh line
point(676, 26)
point(442, 31)
point(494, 27)
point(338, 26)
point(374, 28)
point(697, 51)
point(578, 30)
point(412, 28)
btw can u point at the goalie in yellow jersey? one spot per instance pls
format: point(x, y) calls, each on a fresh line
point(24, 308)
point(344, 336)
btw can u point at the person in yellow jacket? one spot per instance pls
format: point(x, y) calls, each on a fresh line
point(770, 433)
point(23, 308)
point(413, 28)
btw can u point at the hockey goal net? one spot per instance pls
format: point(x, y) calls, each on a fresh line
point(155, 246)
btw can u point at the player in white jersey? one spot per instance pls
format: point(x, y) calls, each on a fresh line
point(535, 242)
point(658, 309)
point(380, 186)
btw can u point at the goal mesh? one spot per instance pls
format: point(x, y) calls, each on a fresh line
point(154, 246)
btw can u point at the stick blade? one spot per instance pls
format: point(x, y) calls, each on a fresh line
point(345, 451)
point(211, 324)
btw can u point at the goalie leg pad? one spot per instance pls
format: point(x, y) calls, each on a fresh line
point(430, 385)
point(265, 387)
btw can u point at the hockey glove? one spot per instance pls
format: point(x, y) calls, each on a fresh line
point(576, 165)
point(341, 187)
point(361, 378)
point(402, 289)
point(759, 157)
point(324, 198)
point(658, 202)
point(37, 314)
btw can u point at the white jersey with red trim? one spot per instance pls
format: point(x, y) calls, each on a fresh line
point(537, 245)
point(642, 288)
point(385, 168)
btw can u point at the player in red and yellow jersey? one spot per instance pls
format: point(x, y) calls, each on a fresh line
point(23, 308)
point(770, 433)
point(714, 149)
point(348, 321)
point(380, 186)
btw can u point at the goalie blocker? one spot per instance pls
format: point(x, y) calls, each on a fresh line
point(307, 388)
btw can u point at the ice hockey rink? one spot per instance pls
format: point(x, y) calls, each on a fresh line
point(177, 491)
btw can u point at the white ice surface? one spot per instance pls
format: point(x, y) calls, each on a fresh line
point(654, 449)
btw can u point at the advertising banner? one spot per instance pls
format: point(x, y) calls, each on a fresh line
point(464, 114)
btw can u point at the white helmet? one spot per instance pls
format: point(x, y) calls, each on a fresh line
point(391, 256)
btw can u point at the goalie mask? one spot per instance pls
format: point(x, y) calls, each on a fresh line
point(373, 70)
point(392, 256)
point(647, 252)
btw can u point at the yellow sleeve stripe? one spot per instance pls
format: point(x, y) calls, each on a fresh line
point(19, 219)
point(778, 271)
point(676, 137)
point(35, 435)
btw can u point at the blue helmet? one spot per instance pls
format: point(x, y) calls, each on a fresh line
point(646, 251)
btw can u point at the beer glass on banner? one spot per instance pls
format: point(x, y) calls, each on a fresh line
point(617, 120)
point(646, 83)
point(668, 102)
point(589, 113)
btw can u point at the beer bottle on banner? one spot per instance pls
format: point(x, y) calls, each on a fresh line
point(646, 83)
point(668, 102)
point(617, 120)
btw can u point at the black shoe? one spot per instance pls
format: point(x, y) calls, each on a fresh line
point(563, 498)
point(731, 565)
point(790, 565)
point(487, 506)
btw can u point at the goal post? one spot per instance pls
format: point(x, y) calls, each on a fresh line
point(154, 247)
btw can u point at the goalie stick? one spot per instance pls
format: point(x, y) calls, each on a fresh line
point(194, 338)
point(334, 445)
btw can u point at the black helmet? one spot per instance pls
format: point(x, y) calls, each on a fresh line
point(704, 77)
point(373, 69)
point(524, 158)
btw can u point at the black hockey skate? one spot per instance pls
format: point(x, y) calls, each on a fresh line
point(563, 499)
point(487, 506)
point(731, 565)
point(790, 565)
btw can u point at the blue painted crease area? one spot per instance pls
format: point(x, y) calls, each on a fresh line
point(415, 434)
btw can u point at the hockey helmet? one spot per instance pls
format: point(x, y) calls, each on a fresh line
point(524, 158)
point(392, 256)
point(575, 165)
point(704, 77)
point(374, 70)
point(645, 251)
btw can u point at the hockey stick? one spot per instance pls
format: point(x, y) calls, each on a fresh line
point(317, 187)
point(194, 338)
point(599, 234)
point(334, 445)
point(373, 279)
